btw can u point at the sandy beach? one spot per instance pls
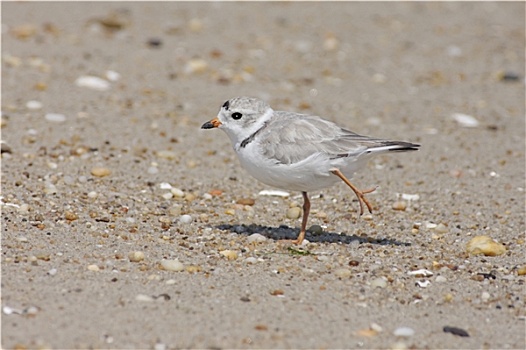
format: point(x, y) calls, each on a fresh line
point(126, 226)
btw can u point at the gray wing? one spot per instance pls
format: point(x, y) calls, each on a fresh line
point(291, 137)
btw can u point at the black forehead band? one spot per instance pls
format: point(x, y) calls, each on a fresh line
point(226, 105)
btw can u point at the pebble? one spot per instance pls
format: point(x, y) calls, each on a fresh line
point(440, 279)
point(485, 245)
point(316, 229)
point(55, 117)
point(380, 282)
point(177, 192)
point(257, 238)
point(293, 213)
point(400, 205)
point(404, 332)
point(196, 65)
point(186, 219)
point(112, 75)
point(52, 272)
point(229, 254)
point(100, 171)
point(167, 195)
point(92, 82)
point(92, 194)
point(165, 154)
point(521, 271)
point(49, 188)
point(465, 120)
point(246, 201)
point(342, 273)
point(143, 297)
point(172, 265)
point(456, 331)
point(93, 268)
point(251, 260)
point(70, 216)
point(33, 105)
point(485, 296)
point(441, 228)
point(136, 256)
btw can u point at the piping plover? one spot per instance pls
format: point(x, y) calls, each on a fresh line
point(297, 152)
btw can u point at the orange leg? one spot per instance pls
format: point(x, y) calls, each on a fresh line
point(359, 194)
point(306, 210)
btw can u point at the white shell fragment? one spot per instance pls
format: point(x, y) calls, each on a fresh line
point(423, 283)
point(275, 193)
point(421, 272)
point(92, 82)
point(55, 117)
point(465, 120)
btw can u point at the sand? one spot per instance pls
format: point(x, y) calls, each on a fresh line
point(104, 179)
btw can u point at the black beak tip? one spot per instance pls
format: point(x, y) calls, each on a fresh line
point(207, 125)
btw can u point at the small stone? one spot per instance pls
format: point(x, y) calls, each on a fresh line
point(246, 201)
point(256, 238)
point(456, 331)
point(229, 254)
point(440, 279)
point(92, 82)
point(136, 256)
point(315, 229)
point(485, 245)
point(177, 192)
point(112, 75)
point(521, 271)
point(52, 272)
point(342, 273)
point(172, 265)
point(55, 117)
point(399, 205)
point(404, 332)
point(230, 211)
point(93, 268)
point(70, 216)
point(293, 213)
point(144, 298)
point(165, 154)
point(251, 260)
point(193, 269)
point(380, 282)
point(465, 120)
point(441, 228)
point(485, 296)
point(186, 219)
point(92, 194)
point(167, 195)
point(216, 192)
point(100, 172)
point(196, 65)
point(33, 105)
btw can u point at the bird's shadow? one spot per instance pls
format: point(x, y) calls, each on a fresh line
point(285, 232)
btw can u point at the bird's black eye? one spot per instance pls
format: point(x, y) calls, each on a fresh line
point(236, 115)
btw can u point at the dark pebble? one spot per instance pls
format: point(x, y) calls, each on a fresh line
point(155, 42)
point(510, 77)
point(456, 331)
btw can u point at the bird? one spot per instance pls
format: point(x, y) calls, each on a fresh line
point(298, 152)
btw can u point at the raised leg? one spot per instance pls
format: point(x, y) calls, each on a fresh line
point(357, 192)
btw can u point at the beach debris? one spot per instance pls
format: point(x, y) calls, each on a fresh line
point(456, 331)
point(485, 245)
point(466, 121)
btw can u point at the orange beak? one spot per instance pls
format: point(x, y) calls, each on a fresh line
point(214, 123)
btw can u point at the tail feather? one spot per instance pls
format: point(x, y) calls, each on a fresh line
point(394, 146)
